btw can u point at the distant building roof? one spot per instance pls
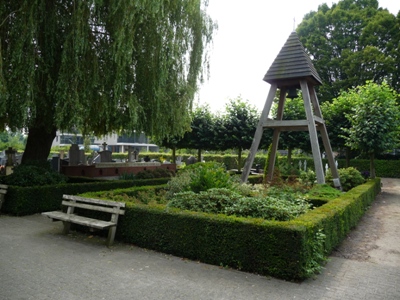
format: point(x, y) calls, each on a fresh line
point(292, 64)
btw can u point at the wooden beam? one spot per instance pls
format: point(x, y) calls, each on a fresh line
point(284, 123)
point(326, 142)
point(275, 137)
point(319, 170)
point(258, 133)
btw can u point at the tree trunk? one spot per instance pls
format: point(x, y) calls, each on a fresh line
point(198, 155)
point(173, 155)
point(240, 159)
point(372, 165)
point(289, 156)
point(38, 144)
point(347, 157)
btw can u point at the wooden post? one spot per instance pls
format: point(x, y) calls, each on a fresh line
point(275, 138)
point(319, 169)
point(325, 140)
point(258, 133)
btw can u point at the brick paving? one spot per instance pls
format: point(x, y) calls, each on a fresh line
point(38, 262)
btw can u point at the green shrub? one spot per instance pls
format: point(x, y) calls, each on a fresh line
point(323, 191)
point(211, 201)
point(308, 178)
point(156, 173)
point(282, 206)
point(349, 178)
point(34, 174)
point(268, 208)
point(200, 177)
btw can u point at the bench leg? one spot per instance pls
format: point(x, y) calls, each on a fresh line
point(111, 235)
point(67, 225)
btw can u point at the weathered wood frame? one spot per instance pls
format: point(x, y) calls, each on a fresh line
point(313, 123)
point(71, 202)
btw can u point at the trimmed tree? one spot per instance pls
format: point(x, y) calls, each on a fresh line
point(374, 120)
point(238, 124)
point(335, 116)
point(99, 66)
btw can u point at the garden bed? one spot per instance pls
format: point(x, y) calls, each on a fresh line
point(291, 250)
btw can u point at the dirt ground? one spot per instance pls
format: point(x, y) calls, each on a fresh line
point(377, 236)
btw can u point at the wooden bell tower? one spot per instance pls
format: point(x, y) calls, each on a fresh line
point(292, 69)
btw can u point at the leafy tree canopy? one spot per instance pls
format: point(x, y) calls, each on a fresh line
point(374, 119)
point(351, 42)
point(99, 66)
point(239, 123)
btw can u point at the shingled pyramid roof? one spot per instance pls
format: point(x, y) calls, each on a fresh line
point(292, 64)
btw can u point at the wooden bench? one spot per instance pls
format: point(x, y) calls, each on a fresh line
point(72, 202)
point(3, 192)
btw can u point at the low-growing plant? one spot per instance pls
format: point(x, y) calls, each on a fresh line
point(349, 178)
point(308, 178)
point(127, 176)
point(200, 177)
point(323, 191)
point(283, 206)
point(156, 173)
point(211, 201)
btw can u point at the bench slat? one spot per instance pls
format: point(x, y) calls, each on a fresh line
point(92, 200)
point(115, 210)
point(3, 186)
point(79, 220)
point(3, 192)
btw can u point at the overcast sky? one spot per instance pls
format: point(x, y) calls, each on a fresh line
point(250, 35)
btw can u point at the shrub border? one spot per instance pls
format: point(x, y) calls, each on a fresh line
point(281, 249)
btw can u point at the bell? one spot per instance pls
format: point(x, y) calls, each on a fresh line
point(292, 93)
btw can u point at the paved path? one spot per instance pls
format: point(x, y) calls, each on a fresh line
point(37, 262)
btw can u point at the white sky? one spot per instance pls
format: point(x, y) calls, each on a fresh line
point(250, 35)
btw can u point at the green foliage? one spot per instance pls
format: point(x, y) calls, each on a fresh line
point(290, 250)
point(127, 176)
point(199, 177)
point(374, 118)
point(308, 177)
point(323, 191)
point(282, 208)
point(156, 173)
point(349, 178)
point(245, 201)
point(351, 42)
point(334, 113)
point(14, 140)
point(238, 125)
point(35, 199)
point(34, 174)
point(101, 66)
point(314, 264)
point(214, 200)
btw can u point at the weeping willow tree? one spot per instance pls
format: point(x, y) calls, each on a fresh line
point(100, 66)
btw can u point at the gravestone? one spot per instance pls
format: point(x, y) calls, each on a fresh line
point(105, 155)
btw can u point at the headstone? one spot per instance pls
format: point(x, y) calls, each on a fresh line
point(130, 154)
point(105, 155)
point(10, 152)
point(74, 155)
point(191, 160)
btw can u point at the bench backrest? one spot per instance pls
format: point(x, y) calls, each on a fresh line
point(93, 204)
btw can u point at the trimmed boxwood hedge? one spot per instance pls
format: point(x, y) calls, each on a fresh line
point(31, 200)
point(284, 250)
point(281, 249)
